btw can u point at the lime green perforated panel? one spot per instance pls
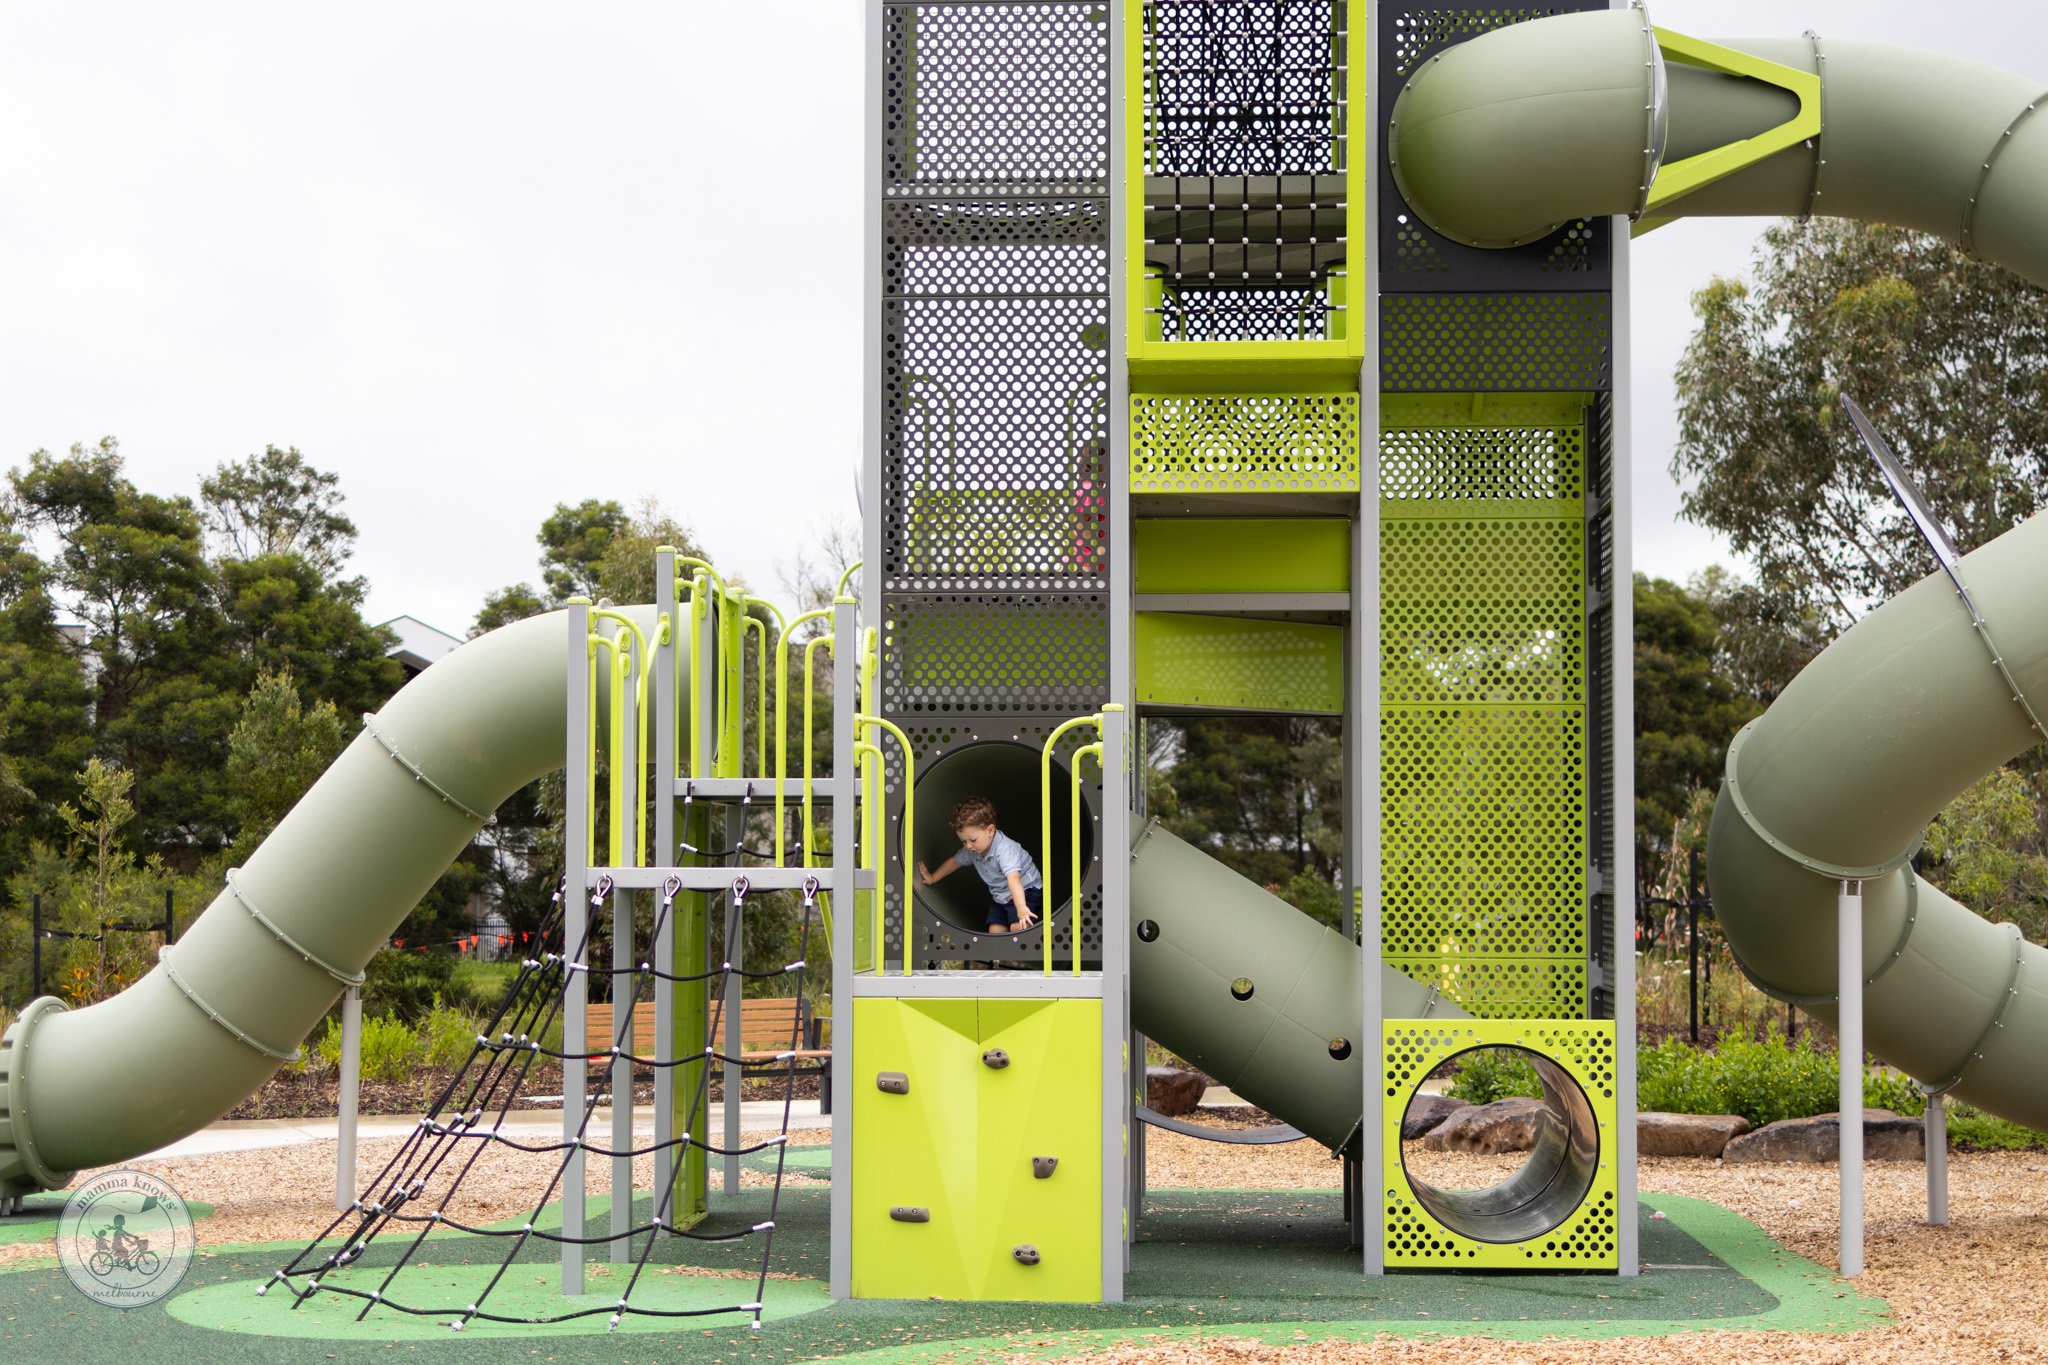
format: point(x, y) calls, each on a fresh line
point(1482, 611)
point(1238, 664)
point(1483, 689)
point(1237, 443)
point(1483, 845)
point(1584, 1049)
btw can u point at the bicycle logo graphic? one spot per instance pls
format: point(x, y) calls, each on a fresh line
point(125, 1239)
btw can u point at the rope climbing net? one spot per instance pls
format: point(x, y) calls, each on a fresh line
point(418, 1191)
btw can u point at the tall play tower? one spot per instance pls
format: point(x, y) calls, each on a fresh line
point(1175, 408)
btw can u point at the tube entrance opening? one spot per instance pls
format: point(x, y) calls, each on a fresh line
point(1538, 1190)
point(1007, 774)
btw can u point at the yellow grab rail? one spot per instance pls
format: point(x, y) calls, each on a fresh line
point(909, 833)
point(1074, 918)
point(1045, 836)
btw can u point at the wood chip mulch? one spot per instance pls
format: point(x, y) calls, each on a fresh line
point(1974, 1290)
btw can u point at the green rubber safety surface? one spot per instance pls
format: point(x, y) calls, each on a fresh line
point(1269, 1265)
point(37, 1221)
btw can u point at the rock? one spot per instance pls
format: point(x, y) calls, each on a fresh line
point(1886, 1137)
point(1426, 1113)
point(1171, 1091)
point(1687, 1134)
point(1488, 1129)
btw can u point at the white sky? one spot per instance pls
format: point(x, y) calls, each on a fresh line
point(478, 259)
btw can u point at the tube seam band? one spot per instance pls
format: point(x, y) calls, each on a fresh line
point(1820, 69)
point(1983, 628)
point(1810, 1002)
point(419, 774)
point(171, 974)
point(1968, 240)
point(278, 933)
point(1834, 872)
point(2012, 993)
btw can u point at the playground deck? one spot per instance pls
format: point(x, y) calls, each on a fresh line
point(1254, 1273)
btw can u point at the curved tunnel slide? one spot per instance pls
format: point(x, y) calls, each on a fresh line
point(1504, 138)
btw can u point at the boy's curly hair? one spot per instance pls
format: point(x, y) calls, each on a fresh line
point(975, 810)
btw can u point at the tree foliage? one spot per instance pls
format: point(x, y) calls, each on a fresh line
point(1949, 356)
point(277, 504)
point(1987, 850)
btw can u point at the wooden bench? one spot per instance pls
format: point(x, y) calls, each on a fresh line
point(767, 1025)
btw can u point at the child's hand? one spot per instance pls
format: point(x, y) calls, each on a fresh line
point(1025, 917)
point(924, 873)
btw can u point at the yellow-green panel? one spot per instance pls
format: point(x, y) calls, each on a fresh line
point(915, 1150)
point(1587, 1238)
point(1242, 554)
point(1235, 664)
point(1046, 1102)
point(1290, 442)
point(1482, 611)
point(1516, 987)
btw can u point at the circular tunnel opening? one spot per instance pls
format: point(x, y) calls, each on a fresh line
point(1530, 1193)
point(1007, 774)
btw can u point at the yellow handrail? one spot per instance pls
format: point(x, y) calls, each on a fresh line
point(1045, 837)
point(782, 717)
point(760, 629)
point(871, 837)
point(845, 578)
point(1074, 917)
point(909, 830)
point(628, 663)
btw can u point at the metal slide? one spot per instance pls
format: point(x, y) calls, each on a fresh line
point(233, 999)
point(1504, 138)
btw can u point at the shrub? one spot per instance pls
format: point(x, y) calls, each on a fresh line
point(404, 984)
point(1493, 1073)
point(448, 1036)
point(390, 1049)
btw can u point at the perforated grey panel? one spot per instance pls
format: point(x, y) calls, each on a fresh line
point(1040, 654)
point(1511, 343)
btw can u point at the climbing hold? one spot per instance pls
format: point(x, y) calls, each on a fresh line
point(1026, 1254)
point(1241, 988)
point(1042, 1167)
point(892, 1083)
point(907, 1213)
point(1148, 930)
point(995, 1059)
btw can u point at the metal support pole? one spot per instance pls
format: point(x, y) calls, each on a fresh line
point(845, 626)
point(1117, 1060)
point(735, 931)
point(1936, 1122)
point(1849, 1027)
point(662, 697)
point(623, 976)
point(351, 1086)
point(575, 920)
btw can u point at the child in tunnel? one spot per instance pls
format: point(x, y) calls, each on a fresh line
point(1016, 891)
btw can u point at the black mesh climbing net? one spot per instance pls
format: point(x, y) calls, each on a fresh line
point(412, 1196)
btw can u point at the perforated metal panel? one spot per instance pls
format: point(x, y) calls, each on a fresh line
point(938, 940)
point(1481, 611)
point(1483, 839)
point(994, 94)
point(995, 653)
point(1290, 442)
point(1464, 343)
point(1499, 988)
point(1588, 1237)
point(1451, 448)
point(1234, 664)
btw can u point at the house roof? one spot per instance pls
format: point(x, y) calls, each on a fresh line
point(419, 644)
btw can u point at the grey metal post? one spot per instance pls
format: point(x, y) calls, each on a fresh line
point(1362, 776)
point(1849, 1028)
point(351, 1085)
point(845, 628)
point(1123, 1057)
point(735, 934)
point(1936, 1125)
point(575, 922)
point(1621, 720)
point(622, 976)
point(662, 688)
point(1116, 998)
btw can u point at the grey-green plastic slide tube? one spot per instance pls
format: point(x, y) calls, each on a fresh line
point(234, 998)
point(1504, 137)
point(1257, 994)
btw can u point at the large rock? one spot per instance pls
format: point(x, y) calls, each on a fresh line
point(1687, 1134)
point(1172, 1091)
point(1886, 1137)
point(1426, 1113)
point(1507, 1125)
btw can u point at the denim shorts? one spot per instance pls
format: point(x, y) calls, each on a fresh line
point(1001, 916)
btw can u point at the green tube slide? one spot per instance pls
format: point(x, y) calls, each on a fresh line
point(234, 998)
point(1502, 138)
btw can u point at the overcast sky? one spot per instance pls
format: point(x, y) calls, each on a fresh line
point(479, 259)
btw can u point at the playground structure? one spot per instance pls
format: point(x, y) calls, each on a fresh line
point(1185, 399)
